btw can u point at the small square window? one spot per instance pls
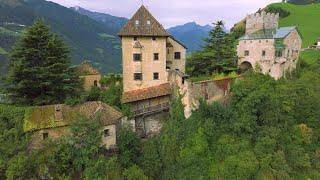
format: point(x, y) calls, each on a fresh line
point(106, 132)
point(263, 53)
point(177, 55)
point(156, 56)
point(246, 53)
point(155, 76)
point(137, 76)
point(148, 22)
point(45, 135)
point(137, 57)
point(154, 38)
point(135, 38)
point(137, 22)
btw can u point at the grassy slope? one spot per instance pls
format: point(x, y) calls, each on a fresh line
point(305, 17)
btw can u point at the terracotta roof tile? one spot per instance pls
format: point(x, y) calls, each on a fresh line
point(147, 93)
point(143, 24)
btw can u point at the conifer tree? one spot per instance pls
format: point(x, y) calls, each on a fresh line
point(39, 69)
point(218, 54)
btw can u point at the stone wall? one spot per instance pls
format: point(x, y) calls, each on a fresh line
point(176, 64)
point(259, 21)
point(148, 126)
point(147, 66)
point(191, 92)
point(89, 81)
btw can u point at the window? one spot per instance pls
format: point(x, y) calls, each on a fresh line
point(148, 22)
point(168, 51)
point(156, 56)
point(177, 55)
point(263, 53)
point(135, 38)
point(278, 53)
point(156, 76)
point(106, 132)
point(177, 69)
point(137, 22)
point(45, 135)
point(137, 57)
point(154, 38)
point(137, 76)
point(246, 53)
point(183, 79)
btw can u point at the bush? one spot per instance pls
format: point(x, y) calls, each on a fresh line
point(282, 13)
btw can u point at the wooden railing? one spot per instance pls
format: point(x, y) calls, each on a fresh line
point(152, 109)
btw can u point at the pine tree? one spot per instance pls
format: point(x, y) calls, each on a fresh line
point(39, 69)
point(218, 54)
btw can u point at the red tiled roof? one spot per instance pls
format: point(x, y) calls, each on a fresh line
point(147, 93)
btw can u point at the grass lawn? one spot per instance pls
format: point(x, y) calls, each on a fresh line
point(305, 17)
point(310, 56)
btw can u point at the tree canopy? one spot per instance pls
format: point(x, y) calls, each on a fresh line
point(39, 69)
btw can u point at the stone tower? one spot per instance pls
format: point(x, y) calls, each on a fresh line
point(259, 21)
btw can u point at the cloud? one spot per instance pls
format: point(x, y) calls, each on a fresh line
point(175, 12)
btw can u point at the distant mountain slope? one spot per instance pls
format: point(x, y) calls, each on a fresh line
point(87, 38)
point(190, 34)
point(303, 1)
point(305, 17)
point(106, 19)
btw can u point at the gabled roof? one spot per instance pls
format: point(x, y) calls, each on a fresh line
point(85, 68)
point(142, 27)
point(43, 117)
point(147, 93)
point(269, 33)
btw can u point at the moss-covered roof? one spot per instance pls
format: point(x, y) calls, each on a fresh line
point(43, 117)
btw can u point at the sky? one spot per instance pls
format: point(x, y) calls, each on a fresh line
point(176, 12)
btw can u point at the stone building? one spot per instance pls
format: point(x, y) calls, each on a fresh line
point(90, 75)
point(53, 121)
point(267, 48)
point(148, 52)
point(318, 43)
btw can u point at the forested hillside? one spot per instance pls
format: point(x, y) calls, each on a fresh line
point(87, 38)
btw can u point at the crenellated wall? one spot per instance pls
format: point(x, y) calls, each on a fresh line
point(259, 21)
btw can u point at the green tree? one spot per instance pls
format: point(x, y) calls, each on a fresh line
point(21, 166)
point(103, 168)
point(218, 54)
point(39, 70)
point(129, 147)
point(134, 173)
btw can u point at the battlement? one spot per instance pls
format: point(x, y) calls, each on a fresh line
point(259, 21)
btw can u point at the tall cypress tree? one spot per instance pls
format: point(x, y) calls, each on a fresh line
point(39, 69)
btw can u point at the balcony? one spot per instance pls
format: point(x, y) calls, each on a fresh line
point(152, 109)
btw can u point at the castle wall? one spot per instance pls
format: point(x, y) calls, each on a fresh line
point(176, 63)
point(147, 66)
point(88, 81)
point(255, 57)
point(259, 21)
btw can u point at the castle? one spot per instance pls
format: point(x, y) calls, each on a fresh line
point(267, 48)
point(148, 53)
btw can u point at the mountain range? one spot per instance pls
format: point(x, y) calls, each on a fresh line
point(90, 35)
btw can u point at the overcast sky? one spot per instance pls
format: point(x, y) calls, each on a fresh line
point(176, 12)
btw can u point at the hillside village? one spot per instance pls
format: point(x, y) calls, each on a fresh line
point(156, 116)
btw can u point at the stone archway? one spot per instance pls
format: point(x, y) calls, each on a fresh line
point(245, 66)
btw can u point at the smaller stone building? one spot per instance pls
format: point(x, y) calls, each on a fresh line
point(53, 121)
point(267, 48)
point(318, 43)
point(91, 76)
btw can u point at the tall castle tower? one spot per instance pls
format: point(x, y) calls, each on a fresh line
point(260, 21)
point(144, 43)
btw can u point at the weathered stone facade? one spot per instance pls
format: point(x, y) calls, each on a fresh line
point(267, 48)
point(53, 122)
point(89, 75)
point(318, 43)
